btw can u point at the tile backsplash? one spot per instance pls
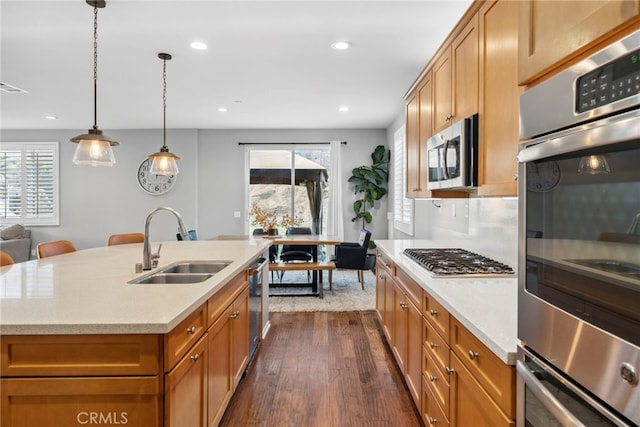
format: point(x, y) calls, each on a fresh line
point(488, 226)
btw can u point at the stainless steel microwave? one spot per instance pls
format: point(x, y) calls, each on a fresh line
point(452, 156)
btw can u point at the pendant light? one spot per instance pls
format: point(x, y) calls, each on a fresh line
point(593, 165)
point(164, 162)
point(94, 148)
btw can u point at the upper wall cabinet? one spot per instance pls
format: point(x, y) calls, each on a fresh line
point(455, 79)
point(418, 130)
point(552, 33)
point(498, 100)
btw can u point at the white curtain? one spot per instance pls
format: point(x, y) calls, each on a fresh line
point(335, 222)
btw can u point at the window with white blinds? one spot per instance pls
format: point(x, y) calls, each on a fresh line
point(402, 207)
point(29, 183)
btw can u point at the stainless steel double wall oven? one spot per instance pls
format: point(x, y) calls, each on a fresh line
point(579, 244)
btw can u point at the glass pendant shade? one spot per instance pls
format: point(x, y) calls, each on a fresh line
point(593, 165)
point(94, 149)
point(164, 162)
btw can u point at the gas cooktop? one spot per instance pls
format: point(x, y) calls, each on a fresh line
point(457, 262)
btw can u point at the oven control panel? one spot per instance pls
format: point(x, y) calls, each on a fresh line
point(609, 83)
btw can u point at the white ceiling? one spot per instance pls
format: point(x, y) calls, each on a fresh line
point(269, 62)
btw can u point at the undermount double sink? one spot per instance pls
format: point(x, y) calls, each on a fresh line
point(182, 272)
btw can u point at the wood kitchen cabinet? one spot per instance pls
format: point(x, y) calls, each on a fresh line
point(455, 79)
point(384, 293)
point(499, 96)
point(67, 380)
point(552, 34)
point(407, 332)
point(228, 348)
point(459, 381)
point(418, 131)
point(186, 389)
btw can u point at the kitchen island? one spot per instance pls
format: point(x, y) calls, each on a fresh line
point(82, 345)
point(454, 338)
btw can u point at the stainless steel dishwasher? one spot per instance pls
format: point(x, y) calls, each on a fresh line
point(256, 279)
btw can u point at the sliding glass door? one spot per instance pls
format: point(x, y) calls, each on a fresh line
point(290, 181)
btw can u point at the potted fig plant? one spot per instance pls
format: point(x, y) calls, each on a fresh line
point(370, 184)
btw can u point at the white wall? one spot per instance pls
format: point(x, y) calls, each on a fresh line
point(97, 202)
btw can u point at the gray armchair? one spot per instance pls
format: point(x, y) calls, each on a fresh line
point(16, 241)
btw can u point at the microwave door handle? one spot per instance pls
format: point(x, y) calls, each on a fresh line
point(547, 399)
point(445, 170)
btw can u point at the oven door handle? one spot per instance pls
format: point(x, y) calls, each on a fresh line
point(545, 397)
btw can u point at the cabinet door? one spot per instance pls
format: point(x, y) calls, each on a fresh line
point(380, 291)
point(389, 305)
point(555, 32)
point(442, 92)
point(186, 389)
point(399, 330)
point(499, 96)
point(413, 359)
point(419, 126)
point(464, 52)
point(220, 385)
point(470, 404)
point(240, 336)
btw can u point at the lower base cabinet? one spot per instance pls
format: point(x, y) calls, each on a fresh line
point(428, 345)
point(181, 379)
point(186, 389)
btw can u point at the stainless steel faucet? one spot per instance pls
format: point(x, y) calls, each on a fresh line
point(148, 258)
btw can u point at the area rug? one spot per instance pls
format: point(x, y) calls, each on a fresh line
point(347, 295)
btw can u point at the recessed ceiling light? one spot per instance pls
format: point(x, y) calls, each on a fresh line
point(198, 45)
point(50, 117)
point(340, 45)
point(343, 109)
point(222, 109)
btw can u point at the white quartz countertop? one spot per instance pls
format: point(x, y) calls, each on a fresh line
point(86, 292)
point(487, 307)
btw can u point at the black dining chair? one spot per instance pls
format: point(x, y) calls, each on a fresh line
point(300, 253)
point(273, 249)
point(353, 256)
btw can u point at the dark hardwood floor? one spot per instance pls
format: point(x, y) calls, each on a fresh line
point(322, 369)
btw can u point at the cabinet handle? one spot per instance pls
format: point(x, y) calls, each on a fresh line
point(433, 312)
point(191, 330)
point(432, 421)
point(195, 357)
point(473, 355)
point(515, 177)
point(432, 344)
point(449, 370)
point(235, 315)
point(432, 378)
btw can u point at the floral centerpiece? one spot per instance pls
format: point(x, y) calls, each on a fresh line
point(269, 221)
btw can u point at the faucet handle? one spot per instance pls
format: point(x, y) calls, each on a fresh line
point(155, 257)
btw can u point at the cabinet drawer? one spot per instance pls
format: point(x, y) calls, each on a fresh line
point(385, 262)
point(219, 302)
point(497, 378)
point(432, 414)
point(436, 314)
point(437, 380)
point(182, 337)
point(28, 402)
point(410, 287)
point(80, 355)
point(436, 346)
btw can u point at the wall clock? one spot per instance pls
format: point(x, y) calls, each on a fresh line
point(543, 177)
point(151, 183)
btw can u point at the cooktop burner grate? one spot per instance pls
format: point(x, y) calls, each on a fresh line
point(457, 262)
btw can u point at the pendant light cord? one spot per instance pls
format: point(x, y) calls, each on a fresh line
point(164, 103)
point(95, 67)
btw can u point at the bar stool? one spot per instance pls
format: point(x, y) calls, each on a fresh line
point(123, 239)
point(5, 259)
point(57, 247)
